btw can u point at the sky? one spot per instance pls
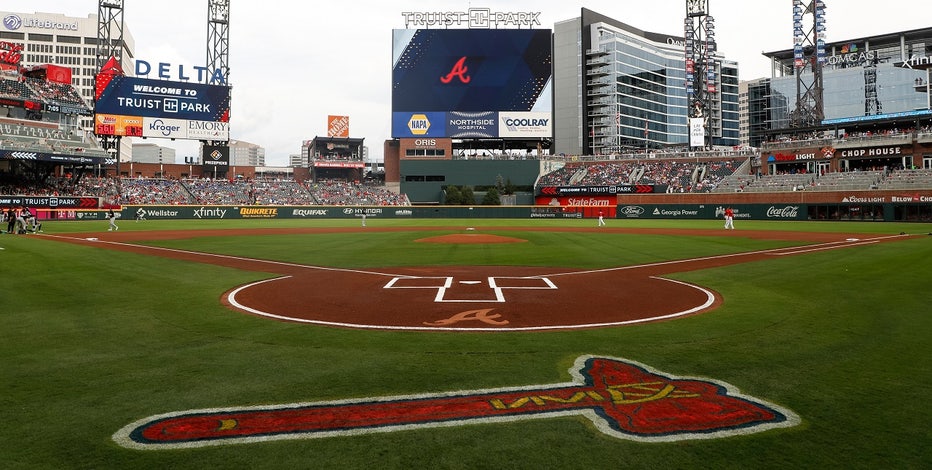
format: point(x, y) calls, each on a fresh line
point(337, 59)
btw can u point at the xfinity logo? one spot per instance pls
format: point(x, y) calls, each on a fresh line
point(210, 213)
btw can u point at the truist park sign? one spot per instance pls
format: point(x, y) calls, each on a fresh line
point(474, 18)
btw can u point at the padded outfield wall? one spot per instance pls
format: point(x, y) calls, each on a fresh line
point(878, 208)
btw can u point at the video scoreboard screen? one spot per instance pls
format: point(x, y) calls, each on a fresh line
point(483, 83)
point(139, 107)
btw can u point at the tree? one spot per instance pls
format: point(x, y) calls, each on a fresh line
point(469, 198)
point(491, 198)
point(453, 196)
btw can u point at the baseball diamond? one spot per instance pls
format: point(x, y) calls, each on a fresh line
point(471, 298)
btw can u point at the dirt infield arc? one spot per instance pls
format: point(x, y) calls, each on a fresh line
point(469, 298)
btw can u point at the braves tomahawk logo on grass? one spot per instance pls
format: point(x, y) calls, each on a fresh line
point(623, 398)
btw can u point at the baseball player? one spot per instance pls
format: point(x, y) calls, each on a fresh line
point(729, 219)
point(111, 216)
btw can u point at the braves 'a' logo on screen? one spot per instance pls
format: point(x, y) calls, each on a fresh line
point(459, 71)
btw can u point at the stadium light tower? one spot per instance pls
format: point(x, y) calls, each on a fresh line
point(703, 90)
point(110, 44)
point(218, 37)
point(808, 59)
point(218, 41)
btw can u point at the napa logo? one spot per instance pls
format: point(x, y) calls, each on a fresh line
point(419, 124)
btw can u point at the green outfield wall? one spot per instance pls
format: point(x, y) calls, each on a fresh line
point(879, 212)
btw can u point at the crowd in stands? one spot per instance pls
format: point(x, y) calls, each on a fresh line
point(56, 92)
point(344, 193)
point(40, 90)
point(676, 176)
point(261, 191)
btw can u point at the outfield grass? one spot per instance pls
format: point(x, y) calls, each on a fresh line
point(92, 340)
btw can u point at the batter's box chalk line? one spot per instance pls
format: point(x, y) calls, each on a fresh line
point(496, 285)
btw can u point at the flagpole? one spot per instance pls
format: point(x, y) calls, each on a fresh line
point(646, 139)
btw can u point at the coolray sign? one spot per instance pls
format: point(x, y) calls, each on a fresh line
point(474, 18)
point(15, 22)
point(164, 72)
point(525, 125)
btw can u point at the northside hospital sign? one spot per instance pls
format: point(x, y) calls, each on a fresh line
point(474, 18)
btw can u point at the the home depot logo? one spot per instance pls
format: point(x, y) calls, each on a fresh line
point(418, 124)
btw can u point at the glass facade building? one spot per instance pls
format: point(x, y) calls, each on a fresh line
point(618, 89)
point(863, 77)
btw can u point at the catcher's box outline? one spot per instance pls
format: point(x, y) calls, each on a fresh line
point(448, 282)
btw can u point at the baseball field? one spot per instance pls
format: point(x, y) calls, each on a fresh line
point(472, 344)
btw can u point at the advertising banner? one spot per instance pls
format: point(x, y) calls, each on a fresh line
point(130, 96)
point(595, 190)
point(50, 202)
point(337, 126)
point(697, 132)
point(209, 130)
point(165, 128)
point(216, 156)
point(114, 124)
point(472, 76)
point(407, 125)
point(476, 124)
point(525, 125)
